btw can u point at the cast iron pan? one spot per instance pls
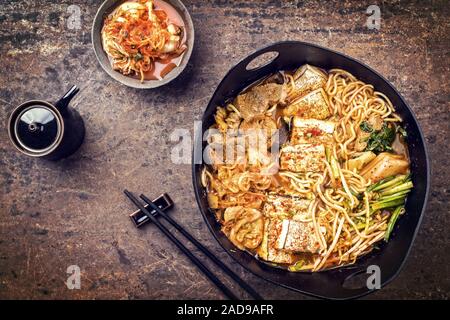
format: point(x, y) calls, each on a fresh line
point(335, 283)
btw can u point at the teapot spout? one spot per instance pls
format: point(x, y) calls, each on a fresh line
point(65, 100)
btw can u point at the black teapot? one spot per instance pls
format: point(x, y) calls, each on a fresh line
point(44, 130)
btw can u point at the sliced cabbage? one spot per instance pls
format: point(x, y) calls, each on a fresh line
point(385, 165)
point(359, 162)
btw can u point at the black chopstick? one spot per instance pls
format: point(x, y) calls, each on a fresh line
point(203, 249)
point(227, 292)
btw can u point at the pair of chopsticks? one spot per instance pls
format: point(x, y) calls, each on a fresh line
point(211, 276)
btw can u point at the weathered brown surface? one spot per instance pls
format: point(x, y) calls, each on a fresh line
point(53, 215)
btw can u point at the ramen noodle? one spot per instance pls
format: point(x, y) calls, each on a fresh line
point(326, 180)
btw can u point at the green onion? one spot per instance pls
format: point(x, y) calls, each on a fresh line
point(392, 221)
point(402, 187)
point(328, 154)
point(389, 204)
point(379, 183)
point(334, 167)
point(386, 183)
point(392, 196)
point(298, 266)
point(389, 199)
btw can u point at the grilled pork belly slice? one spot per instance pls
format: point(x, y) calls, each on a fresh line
point(311, 131)
point(257, 100)
point(303, 158)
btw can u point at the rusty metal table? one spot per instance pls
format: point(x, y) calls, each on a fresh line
point(73, 212)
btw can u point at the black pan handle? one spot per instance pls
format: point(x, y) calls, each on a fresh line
point(244, 64)
point(258, 72)
point(339, 285)
point(239, 74)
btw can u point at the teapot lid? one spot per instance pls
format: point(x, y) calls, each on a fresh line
point(37, 128)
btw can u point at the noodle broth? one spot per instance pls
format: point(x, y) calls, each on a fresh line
point(341, 178)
